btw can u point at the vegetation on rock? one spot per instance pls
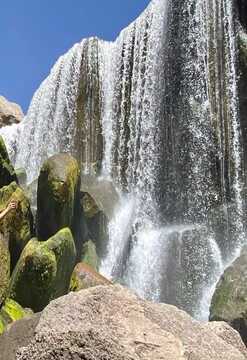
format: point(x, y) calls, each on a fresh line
point(17, 225)
point(4, 267)
point(229, 302)
point(43, 271)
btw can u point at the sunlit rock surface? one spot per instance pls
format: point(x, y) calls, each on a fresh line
point(10, 113)
point(109, 322)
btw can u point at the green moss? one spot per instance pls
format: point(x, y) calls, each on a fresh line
point(230, 298)
point(18, 223)
point(5, 268)
point(12, 311)
point(44, 269)
point(74, 283)
point(57, 188)
point(2, 325)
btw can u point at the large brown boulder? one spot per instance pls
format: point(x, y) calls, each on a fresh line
point(84, 276)
point(110, 322)
point(10, 113)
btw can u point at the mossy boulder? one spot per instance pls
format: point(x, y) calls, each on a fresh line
point(89, 255)
point(5, 267)
point(43, 271)
point(7, 171)
point(17, 225)
point(84, 276)
point(229, 302)
point(10, 312)
point(58, 202)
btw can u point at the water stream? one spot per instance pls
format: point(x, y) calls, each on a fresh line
point(156, 111)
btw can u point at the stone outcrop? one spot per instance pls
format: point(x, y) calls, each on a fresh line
point(229, 302)
point(84, 276)
point(17, 226)
point(111, 323)
point(43, 271)
point(58, 199)
point(7, 171)
point(10, 113)
point(57, 189)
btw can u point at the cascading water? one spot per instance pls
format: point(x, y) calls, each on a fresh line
point(157, 112)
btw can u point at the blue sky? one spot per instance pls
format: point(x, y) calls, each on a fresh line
point(34, 33)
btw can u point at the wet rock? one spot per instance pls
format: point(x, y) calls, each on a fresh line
point(7, 171)
point(17, 225)
point(58, 201)
point(84, 276)
point(110, 322)
point(89, 255)
point(57, 189)
point(242, 12)
point(10, 113)
point(43, 271)
point(229, 302)
point(99, 199)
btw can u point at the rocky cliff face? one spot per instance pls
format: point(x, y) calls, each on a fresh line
point(10, 113)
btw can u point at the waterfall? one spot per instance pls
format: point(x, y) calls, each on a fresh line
point(157, 112)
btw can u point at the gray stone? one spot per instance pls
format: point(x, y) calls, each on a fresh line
point(110, 322)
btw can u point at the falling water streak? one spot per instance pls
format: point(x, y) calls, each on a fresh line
point(119, 233)
point(204, 306)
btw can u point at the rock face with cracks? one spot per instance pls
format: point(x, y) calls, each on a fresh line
point(112, 323)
